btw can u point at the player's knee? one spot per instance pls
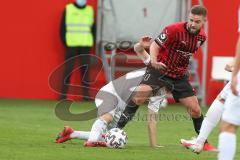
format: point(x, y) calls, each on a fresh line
point(142, 94)
point(107, 117)
point(227, 127)
point(195, 112)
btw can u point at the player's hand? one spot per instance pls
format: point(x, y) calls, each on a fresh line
point(159, 65)
point(145, 41)
point(234, 85)
point(157, 146)
point(229, 67)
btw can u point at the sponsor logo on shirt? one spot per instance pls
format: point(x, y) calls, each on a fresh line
point(162, 38)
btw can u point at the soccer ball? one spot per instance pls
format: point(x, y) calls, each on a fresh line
point(116, 138)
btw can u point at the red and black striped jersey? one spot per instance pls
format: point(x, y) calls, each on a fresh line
point(177, 46)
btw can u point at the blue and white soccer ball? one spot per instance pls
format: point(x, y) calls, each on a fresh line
point(116, 138)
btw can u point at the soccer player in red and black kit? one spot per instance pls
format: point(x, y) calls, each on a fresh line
point(170, 54)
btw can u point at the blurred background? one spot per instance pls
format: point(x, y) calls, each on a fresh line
point(31, 48)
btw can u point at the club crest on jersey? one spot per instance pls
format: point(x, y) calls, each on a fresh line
point(162, 37)
point(199, 44)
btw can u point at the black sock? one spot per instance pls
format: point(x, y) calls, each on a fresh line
point(197, 123)
point(127, 114)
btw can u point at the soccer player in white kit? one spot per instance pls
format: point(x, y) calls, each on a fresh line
point(212, 118)
point(231, 113)
point(111, 101)
point(215, 113)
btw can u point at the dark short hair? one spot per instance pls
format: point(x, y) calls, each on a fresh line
point(199, 10)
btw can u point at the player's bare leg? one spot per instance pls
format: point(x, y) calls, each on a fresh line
point(193, 108)
point(192, 105)
point(143, 92)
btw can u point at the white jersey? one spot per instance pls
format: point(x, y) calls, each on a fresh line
point(231, 112)
point(113, 97)
point(119, 90)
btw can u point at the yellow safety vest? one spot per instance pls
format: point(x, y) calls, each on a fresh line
point(78, 26)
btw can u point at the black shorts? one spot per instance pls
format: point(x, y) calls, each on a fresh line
point(179, 87)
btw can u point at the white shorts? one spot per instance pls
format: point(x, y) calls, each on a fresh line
point(116, 101)
point(231, 113)
point(157, 102)
point(225, 91)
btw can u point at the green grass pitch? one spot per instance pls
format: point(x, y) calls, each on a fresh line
point(28, 129)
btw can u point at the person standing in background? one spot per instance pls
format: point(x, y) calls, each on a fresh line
point(77, 33)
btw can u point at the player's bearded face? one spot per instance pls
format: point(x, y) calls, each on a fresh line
point(195, 23)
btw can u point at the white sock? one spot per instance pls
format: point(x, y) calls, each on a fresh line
point(212, 118)
point(80, 135)
point(226, 146)
point(98, 127)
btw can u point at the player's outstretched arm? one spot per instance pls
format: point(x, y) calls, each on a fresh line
point(139, 48)
point(155, 103)
point(236, 69)
point(142, 53)
point(152, 128)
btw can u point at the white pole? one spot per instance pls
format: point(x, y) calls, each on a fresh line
point(204, 63)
